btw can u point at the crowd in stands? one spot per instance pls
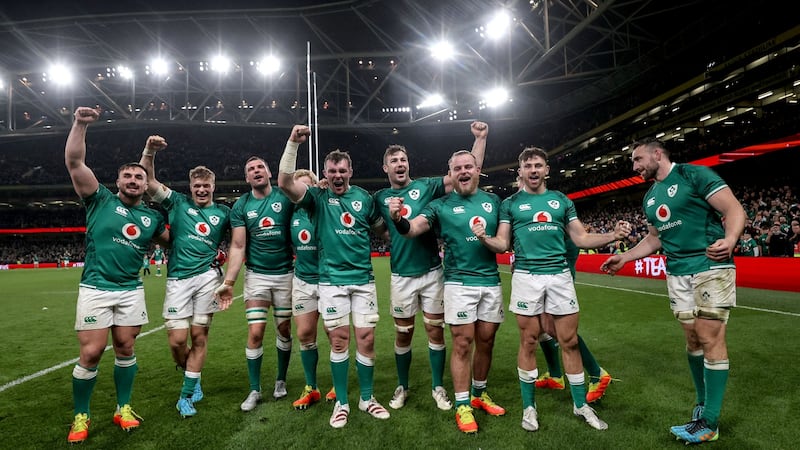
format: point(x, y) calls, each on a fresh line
point(773, 225)
point(48, 249)
point(766, 186)
point(225, 149)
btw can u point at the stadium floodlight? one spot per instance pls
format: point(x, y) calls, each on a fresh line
point(442, 50)
point(269, 65)
point(764, 95)
point(59, 74)
point(499, 26)
point(221, 64)
point(431, 101)
point(496, 97)
point(158, 66)
point(125, 72)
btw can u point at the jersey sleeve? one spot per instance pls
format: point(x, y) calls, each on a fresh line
point(431, 211)
point(705, 181)
point(505, 210)
point(309, 198)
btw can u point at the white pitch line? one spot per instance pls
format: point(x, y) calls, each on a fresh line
point(752, 308)
point(40, 373)
point(655, 294)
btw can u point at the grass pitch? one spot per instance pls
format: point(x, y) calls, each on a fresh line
point(625, 321)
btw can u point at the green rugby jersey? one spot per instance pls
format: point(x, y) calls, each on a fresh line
point(466, 259)
point(195, 234)
point(678, 208)
point(117, 238)
point(269, 245)
point(342, 224)
point(417, 256)
point(304, 239)
point(539, 230)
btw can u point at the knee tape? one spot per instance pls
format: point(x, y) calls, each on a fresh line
point(684, 316)
point(331, 324)
point(256, 315)
point(308, 346)
point(177, 324)
point(713, 313)
point(82, 373)
point(283, 343)
point(365, 320)
point(404, 328)
point(201, 320)
point(282, 317)
point(433, 322)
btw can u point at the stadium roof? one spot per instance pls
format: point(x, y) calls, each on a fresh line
point(582, 77)
point(369, 59)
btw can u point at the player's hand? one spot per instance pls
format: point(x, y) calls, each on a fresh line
point(612, 265)
point(224, 296)
point(622, 230)
point(300, 134)
point(479, 129)
point(479, 231)
point(155, 143)
point(719, 251)
point(323, 183)
point(395, 208)
point(86, 115)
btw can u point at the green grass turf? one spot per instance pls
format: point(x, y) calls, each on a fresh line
point(625, 321)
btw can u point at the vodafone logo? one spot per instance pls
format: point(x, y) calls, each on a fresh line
point(542, 216)
point(304, 236)
point(202, 229)
point(347, 220)
point(663, 213)
point(405, 211)
point(266, 222)
point(131, 231)
point(477, 220)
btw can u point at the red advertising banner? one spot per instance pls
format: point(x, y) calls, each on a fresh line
point(778, 274)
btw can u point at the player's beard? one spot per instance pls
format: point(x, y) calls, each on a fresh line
point(649, 172)
point(132, 196)
point(467, 189)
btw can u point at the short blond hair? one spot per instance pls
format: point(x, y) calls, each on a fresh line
point(305, 173)
point(202, 172)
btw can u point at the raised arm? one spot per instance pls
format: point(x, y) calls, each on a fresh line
point(481, 131)
point(499, 243)
point(83, 179)
point(408, 228)
point(153, 145)
point(294, 189)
